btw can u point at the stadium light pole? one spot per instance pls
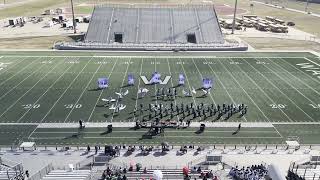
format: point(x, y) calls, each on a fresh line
point(234, 17)
point(73, 20)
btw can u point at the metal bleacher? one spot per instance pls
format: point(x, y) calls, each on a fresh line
point(68, 175)
point(154, 28)
point(154, 24)
point(10, 170)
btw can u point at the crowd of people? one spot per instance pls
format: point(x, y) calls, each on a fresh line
point(119, 174)
point(255, 172)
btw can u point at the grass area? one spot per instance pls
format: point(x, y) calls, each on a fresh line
point(84, 9)
point(12, 134)
point(281, 44)
point(294, 4)
point(45, 42)
point(302, 21)
point(30, 8)
point(55, 88)
point(172, 136)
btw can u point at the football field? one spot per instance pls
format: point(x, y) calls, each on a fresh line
point(43, 95)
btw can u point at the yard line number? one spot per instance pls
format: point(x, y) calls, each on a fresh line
point(155, 62)
point(102, 62)
point(261, 62)
point(73, 62)
point(278, 106)
point(208, 62)
point(3, 65)
point(315, 106)
point(70, 106)
point(31, 106)
point(46, 62)
point(235, 62)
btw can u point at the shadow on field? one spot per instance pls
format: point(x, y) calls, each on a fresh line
point(95, 89)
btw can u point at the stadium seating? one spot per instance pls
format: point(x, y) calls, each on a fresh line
point(68, 175)
point(164, 25)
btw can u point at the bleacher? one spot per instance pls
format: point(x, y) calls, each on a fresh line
point(169, 25)
point(10, 170)
point(68, 175)
point(308, 173)
point(167, 173)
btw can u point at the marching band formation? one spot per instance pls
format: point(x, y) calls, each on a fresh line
point(184, 112)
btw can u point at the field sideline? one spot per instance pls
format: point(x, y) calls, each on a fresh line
point(41, 88)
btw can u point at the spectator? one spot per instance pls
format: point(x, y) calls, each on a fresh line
point(27, 173)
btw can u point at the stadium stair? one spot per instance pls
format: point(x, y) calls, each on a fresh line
point(167, 174)
point(67, 175)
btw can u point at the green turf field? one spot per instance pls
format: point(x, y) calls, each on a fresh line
point(281, 91)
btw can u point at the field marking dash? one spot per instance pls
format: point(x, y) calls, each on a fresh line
point(63, 93)
point(296, 78)
point(246, 92)
point(99, 97)
point(139, 81)
point(209, 92)
point(311, 61)
point(26, 91)
point(294, 89)
point(25, 67)
point(124, 77)
point(281, 92)
point(263, 90)
point(195, 104)
point(311, 77)
point(133, 137)
point(83, 91)
point(174, 97)
point(48, 88)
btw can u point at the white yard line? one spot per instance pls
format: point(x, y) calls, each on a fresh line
point(16, 62)
point(195, 125)
point(12, 65)
point(174, 97)
point(139, 81)
point(13, 88)
point(312, 61)
point(19, 71)
point(133, 137)
point(115, 131)
point(161, 56)
point(248, 96)
point(311, 77)
point(280, 91)
point(296, 78)
point(194, 101)
point(263, 92)
point(83, 91)
point(244, 91)
point(155, 86)
point(63, 93)
point(124, 77)
point(215, 104)
point(293, 86)
point(94, 107)
point(45, 91)
point(19, 124)
point(28, 90)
